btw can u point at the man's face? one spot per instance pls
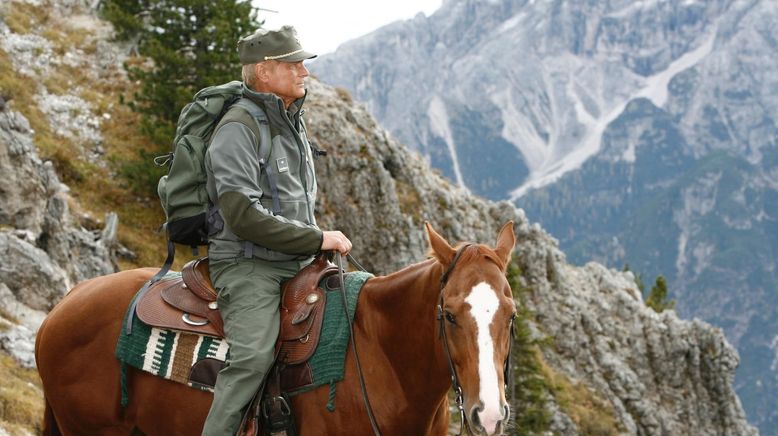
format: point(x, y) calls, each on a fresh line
point(287, 80)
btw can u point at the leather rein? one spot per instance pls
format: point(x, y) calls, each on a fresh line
point(441, 317)
point(368, 407)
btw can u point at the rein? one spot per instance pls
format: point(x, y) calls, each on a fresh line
point(507, 373)
point(370, 414)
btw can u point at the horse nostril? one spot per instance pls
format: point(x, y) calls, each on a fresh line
point(475, 420)
point(506, 412)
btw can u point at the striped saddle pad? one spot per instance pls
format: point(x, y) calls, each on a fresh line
point(195, 360)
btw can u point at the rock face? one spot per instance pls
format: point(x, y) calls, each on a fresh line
point(43, 247)
point(44, 250)
point(662, 375)
point(637, 132)
point(659, 374)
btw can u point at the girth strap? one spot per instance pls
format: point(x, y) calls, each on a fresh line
point(171, 254)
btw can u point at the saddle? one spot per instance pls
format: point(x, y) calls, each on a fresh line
point(189, 303)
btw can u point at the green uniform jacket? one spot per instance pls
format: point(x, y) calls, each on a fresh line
point(241, 193)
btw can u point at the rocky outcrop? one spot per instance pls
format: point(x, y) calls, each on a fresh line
point(637, 132)
point(44, 248)
point(660, 374)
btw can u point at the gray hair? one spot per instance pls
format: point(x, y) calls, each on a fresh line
point(250, 71)
point(249, 74)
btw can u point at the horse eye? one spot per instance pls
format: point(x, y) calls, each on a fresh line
point(451, 318)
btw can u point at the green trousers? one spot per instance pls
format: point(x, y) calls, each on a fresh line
point(249, 297)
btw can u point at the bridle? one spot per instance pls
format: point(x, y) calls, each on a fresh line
point(507, 369)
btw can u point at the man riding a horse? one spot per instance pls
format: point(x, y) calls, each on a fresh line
point(442, 322)
point(257, 246)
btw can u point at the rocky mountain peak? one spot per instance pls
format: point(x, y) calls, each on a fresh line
point(639, 133)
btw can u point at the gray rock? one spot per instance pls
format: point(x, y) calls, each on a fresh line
point(30, 273)
point(25, 181)
point(660, 374)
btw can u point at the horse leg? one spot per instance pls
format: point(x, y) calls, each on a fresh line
point(75, 356)
point(440, 422)
point(50, 427)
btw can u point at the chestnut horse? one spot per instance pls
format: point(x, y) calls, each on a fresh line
point(404, 355)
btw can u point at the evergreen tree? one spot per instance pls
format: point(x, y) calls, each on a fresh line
point(638, 279)
point(657, 298)
point(186, 45)
point(529, 389)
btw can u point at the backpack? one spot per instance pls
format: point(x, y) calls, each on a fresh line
point(182, 191)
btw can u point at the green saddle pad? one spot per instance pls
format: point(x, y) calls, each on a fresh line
point(172, 354)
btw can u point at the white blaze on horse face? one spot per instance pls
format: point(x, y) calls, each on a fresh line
point(484, 303)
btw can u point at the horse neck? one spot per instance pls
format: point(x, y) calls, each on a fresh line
point(404, 304)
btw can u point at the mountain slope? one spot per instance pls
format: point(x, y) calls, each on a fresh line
point(640, 133)
point(603, 361)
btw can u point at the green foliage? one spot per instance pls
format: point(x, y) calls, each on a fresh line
point(186, 45)
point(657, 298)
point(530, 388)
point(536, 383)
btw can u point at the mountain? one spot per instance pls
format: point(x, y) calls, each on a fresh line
point(591, 357)
point(640, 133)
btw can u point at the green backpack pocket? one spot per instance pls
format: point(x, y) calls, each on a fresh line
point(183, 194)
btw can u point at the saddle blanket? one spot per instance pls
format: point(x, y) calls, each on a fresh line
point(195, 360)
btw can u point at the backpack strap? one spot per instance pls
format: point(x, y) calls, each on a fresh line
point(253, 117)
point(265, 140)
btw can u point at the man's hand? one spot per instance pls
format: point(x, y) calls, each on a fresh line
point(336, 240)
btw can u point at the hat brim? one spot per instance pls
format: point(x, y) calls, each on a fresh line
point(297, 57)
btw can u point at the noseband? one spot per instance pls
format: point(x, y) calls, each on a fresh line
point(442, 334)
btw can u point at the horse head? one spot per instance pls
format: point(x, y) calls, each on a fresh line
point(476, 312)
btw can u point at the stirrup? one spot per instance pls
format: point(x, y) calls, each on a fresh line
point(277, 418)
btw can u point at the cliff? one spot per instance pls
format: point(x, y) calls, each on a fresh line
point(639, 133)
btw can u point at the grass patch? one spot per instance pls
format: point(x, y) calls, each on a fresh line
point(21, 398)
point(23, 17)
point(591, 414)
point(98, 188)
point(344, 95)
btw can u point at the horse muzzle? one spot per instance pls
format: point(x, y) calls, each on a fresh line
point(488, 424)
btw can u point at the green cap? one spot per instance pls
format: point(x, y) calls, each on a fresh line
point(264, 45)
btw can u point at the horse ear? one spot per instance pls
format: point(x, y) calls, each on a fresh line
point(439, 247)
point(506, 240)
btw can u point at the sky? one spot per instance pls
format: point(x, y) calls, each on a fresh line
point(322, 25)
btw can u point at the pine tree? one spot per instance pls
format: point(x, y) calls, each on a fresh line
point(638, 279)
point(187, 45)
point(657, 298)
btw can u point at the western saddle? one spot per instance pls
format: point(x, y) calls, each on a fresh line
point(189, 303)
